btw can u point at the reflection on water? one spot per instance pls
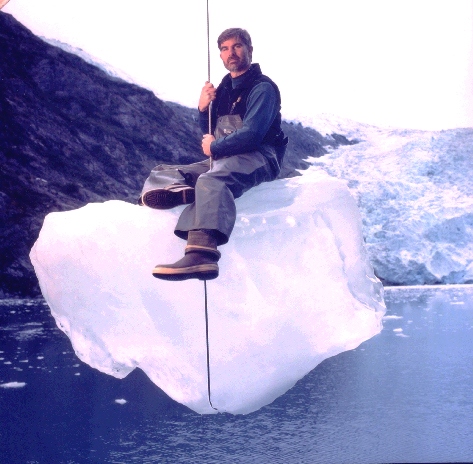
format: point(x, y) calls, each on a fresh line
point(406, 395)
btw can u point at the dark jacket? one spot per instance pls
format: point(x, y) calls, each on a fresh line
point(256, 98)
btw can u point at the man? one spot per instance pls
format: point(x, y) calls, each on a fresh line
point(246, 149)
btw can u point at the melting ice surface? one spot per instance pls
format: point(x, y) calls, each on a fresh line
point(296, 287)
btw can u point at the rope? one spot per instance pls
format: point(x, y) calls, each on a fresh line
point(208, 73)
point(205, 282)
point(207, 340)
point(208, 42)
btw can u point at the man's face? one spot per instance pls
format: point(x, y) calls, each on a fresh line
point(236, 56)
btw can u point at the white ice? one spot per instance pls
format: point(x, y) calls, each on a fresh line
point(295, 288)
point(13, 384)
point(414, 190)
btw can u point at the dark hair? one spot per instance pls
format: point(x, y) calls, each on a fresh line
point(235, 32)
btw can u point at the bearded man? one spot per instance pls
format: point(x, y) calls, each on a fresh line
point(247, 148)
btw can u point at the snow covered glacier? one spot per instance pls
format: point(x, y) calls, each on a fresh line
point(296, 287)
point(415, 194)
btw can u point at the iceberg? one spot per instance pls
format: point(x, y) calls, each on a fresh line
point(296, 286)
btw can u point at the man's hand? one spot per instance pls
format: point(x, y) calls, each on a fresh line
point(206, 141)
point(209, 92)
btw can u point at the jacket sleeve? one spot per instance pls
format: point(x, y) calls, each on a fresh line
point(204, 121)
point(261, 109)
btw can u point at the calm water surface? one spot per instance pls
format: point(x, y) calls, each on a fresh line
point(406, 395)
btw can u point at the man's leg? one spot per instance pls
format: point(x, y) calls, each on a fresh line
point(209, 221)
point(216, 191)
point(171, 185)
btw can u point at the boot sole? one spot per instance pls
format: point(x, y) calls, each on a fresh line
point(167, 199)
point(201, 272)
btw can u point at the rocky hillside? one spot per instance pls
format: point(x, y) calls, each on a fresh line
point(71, 134)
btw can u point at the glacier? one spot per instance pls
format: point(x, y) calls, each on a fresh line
point(296, 286)
point(414, 190)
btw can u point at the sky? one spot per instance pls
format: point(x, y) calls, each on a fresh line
point(398, 63)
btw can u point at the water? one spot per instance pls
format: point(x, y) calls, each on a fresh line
point(406, 395)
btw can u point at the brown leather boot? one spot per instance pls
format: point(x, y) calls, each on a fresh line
point(199, 262)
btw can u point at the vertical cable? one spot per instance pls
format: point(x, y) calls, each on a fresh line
point(207, 340)
point(205, 282)
point(208, 74)
point(208, 42)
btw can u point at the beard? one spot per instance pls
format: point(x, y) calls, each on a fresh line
point(237, 64)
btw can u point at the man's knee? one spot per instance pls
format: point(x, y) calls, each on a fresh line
point(211, 183)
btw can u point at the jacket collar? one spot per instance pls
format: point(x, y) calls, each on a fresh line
point(245, 80)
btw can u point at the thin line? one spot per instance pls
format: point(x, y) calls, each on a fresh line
point(208, 42)
point(207, 340)
point(208, 76)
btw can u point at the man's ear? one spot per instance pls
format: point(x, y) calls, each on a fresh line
point(250, 49)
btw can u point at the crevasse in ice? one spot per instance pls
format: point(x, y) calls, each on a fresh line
point(295, 288)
